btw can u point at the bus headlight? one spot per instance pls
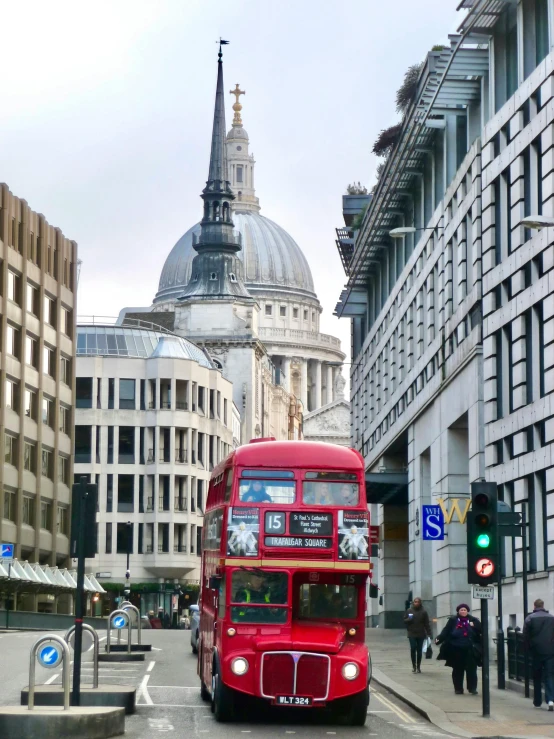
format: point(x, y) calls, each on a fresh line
point(239, 666)
point(350, 671)
point(231, 631)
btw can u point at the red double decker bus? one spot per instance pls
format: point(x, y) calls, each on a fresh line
point(285, 564)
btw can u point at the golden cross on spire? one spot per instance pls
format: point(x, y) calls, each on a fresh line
point(237, 107)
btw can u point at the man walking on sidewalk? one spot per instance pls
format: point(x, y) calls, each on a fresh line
point(417, 623)
point(538, 636)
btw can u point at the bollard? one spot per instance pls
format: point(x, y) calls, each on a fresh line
point(65, 669)
point(96, 649)
point(126, 606)
point(119, 612)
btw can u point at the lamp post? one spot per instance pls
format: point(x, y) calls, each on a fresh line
point(401, 231)
point(127, 590)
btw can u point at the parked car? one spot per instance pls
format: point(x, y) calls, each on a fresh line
point(194, 627)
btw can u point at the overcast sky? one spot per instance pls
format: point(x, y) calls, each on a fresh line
point(107, 109)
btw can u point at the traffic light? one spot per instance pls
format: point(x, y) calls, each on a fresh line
point(482, 534)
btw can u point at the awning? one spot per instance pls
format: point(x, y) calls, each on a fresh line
point(34, 574)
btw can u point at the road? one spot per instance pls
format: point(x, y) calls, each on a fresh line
point(168, 697)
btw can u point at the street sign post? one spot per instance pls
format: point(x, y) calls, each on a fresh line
point(433, 523)
point(483, 592)
point(7, 552)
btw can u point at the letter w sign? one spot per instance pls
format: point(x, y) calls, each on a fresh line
point(461, 511)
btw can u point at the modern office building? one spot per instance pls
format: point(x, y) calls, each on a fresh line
point(153, 417)
point(453, 313)
point(37, 298)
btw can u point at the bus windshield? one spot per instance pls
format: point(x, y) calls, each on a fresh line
point(254, 592)
point(330, 493)
point(327, 601)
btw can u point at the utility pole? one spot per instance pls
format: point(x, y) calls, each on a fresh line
point(79, 500)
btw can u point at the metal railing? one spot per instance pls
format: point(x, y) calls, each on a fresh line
point(150, 458)
point(181, 456)
point(165, 405)
point(516, 655)
point(182, 405)
point(180, 504)
point(96, 649)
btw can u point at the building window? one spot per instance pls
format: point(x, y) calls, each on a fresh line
point(48, 411)
point(126, 445)
point(110, 444)
point(63, 520)
point(46, 515)
point(199, 541)
point(65, 419)
point(10, 500)
point(30, 456)
point(31, 351)
point(225, 411)
point(125, 493)
point(63, 469)
point(295, 312)
point(32, 299)
point(12, 395)
point(111, 392)
point(65, 370)
point(28, 510)
point(83, 392)
point(49, 361)
point(283, 311)
point(124, 538)
point(14, 287)
point(109, 494)
point(47, 464)
point(30, 404)
point(13, 341)
point(239, 173)
point(305, 315)
point(67, 322)
point(83, 444)
point(49, 310)
point(201, 399)
point(10, 449)
point(268, 309)
point(127, 394)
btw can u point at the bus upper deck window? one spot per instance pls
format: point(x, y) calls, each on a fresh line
point(330, 493)
point(257, 488)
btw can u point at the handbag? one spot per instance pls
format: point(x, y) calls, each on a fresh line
point(427, 648)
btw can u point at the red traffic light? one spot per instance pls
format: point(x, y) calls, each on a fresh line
point(481, 500)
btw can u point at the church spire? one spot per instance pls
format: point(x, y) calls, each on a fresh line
point(217, 270)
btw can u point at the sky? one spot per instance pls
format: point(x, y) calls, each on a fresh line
point(107, 109)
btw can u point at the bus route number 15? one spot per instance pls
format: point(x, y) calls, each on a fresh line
point(275, 522)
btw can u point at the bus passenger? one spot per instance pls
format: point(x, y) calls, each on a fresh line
point(323, 494)
point(256, 493)
point(347, 495)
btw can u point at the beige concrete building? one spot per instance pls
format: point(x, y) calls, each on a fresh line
point(38, 269)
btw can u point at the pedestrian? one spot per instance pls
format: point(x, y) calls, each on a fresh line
point(538, 637)
point(167, 620)
point(418, 627)
point(460, 642)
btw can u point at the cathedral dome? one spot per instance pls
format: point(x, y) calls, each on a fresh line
point(272, 260)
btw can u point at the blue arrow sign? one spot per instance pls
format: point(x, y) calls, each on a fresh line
point(49, 656)
point(433, 522)
point(6, 551)
point(119, 622)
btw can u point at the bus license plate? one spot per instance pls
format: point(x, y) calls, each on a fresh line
point(293, 700)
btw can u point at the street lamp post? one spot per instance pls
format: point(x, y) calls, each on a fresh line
point(127, 591)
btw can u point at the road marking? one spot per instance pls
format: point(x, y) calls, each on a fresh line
point(169, 705)
point(150, 666)
point(398, 711)
point(157, 649)
point(143, 692)
point(51, 680)
point(372, 711)
point(176, 687)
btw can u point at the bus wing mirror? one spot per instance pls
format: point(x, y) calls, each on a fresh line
point(214, 582)
point(373, 591)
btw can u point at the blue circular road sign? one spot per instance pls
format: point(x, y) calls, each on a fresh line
point(50, 655)
point(119, 621)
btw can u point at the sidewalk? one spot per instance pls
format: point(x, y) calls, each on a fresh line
point(432, 694)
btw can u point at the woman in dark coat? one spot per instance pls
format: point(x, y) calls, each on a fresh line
point(460, 642)
point(417, 623)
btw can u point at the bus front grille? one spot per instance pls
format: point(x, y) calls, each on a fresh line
point(295, 673)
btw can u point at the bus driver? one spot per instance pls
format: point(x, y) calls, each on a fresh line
point(256, 493)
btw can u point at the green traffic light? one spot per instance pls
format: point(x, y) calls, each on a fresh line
point(483, 541)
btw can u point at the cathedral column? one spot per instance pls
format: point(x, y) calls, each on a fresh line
point(329, 384)
point(317, 386)
point(285, 364)
point(304, 384)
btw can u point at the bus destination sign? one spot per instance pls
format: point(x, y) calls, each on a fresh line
point(316, 524)
point(298, 542)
